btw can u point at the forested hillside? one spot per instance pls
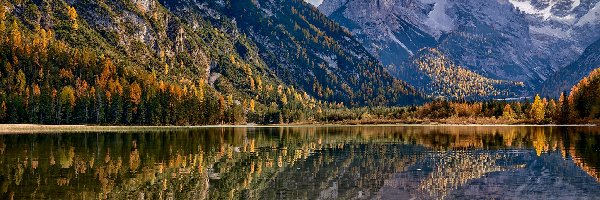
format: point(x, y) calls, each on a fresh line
point(438, 76)
point(585, 97)
point(306, 49)
point(567, 77)
point(136, 62)
point(115, 62)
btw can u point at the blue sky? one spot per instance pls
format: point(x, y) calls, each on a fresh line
point(315, 2)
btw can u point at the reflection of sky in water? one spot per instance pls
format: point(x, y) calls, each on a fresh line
point(305, 163)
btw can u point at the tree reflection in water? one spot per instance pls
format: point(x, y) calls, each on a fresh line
point(304, 163)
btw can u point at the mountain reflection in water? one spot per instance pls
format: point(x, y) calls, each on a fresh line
point(362, 162)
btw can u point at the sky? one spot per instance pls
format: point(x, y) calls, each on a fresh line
point(315, 2)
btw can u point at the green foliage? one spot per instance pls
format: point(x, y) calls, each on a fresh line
point(305, 49)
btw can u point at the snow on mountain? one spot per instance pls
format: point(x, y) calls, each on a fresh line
point(545, 13)
point(437, 19)
point(520, 40)
point(561, 18)
point(315, 2)
point(590, 17)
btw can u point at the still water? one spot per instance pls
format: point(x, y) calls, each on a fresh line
point(305, 163)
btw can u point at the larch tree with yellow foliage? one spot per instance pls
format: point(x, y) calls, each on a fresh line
point(538, 110)
point(508, 113)
point(73, 17)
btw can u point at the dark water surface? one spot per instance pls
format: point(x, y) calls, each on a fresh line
point(306, 163)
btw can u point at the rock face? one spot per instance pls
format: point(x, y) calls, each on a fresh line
point(305, 49)
point(510, 40)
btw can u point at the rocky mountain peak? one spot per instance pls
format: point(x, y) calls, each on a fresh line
point(516, 40)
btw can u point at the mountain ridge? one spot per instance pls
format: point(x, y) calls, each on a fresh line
point(310, 51)
point(566, 78)
point(505, 40)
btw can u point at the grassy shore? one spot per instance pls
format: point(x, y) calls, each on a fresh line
point(38, 129)
point(35, 128)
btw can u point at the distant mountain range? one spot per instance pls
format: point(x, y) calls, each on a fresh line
point(516, 40)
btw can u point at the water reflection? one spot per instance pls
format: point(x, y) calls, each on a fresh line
point(305, 163)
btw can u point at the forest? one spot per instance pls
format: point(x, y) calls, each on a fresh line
point(47, 77)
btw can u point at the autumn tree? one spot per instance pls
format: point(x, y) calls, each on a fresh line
point(72, 17)
point(16, 38)
point(135, 98)
point(251, 107)
point(537, 110)
point(508, 113)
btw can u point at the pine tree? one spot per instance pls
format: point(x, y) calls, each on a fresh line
point(67, 99)
point(551, 109)
point(564, 109)
point(2, 111)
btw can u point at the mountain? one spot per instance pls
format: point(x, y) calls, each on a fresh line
point(382, 27)
point(305, 49)
point(567, 77)
point(181, 62)
point(122, 62)
point(525, 41)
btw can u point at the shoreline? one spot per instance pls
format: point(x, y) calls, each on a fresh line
point(6, 129)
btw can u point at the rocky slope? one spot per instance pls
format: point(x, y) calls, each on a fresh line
point(509, 40)
point(235, 47)
point(305, 49)
point(566, 78)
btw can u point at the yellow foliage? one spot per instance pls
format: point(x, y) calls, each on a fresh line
point(67, 96)
point(232, 59)
point(538, 110)
point(73, 17)
point(135, 93)
point(508, 113)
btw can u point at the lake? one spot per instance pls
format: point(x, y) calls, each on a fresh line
point(344, 162)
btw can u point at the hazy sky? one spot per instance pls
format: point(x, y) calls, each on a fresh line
point(315, 2)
